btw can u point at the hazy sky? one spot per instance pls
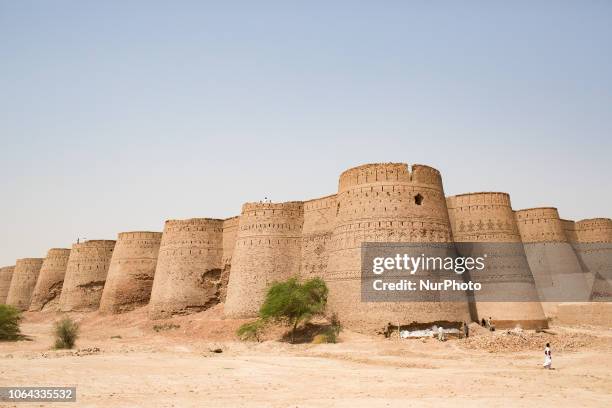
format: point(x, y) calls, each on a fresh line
point(117, 115)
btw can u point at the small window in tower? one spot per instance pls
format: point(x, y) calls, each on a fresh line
point(418, 199)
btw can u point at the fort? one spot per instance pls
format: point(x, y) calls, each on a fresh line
point(197, 263)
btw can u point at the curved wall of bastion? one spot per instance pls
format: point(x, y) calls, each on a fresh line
point(50, 280)
point(487, 218)
point(319, 221)
point(230, 230)
point(23, 282)
point(189, 267)
point(594, 248)
point(268, 248)
point(6, 274)
point(386, 202)
point(552, 259)
point(85, 275)
point(131, 271)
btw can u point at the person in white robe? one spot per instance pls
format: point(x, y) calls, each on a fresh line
point(547, 357)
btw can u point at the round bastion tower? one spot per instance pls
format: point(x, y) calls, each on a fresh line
point(23, 282)
point(50, 281)
point(189, 266)
point(386, 202)
point(267, 249)
point(594, 248)
point(487, 219)
point(85, 275)
point(556, 270)
point(6, 274)
point(131, 271)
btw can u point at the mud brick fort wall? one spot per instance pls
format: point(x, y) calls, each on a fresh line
point(200, 262)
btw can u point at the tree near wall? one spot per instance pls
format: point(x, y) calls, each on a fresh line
point(292, 302)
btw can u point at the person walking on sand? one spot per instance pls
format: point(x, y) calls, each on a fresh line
point(547, 357)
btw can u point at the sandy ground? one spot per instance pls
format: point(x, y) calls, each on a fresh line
point(121, 361)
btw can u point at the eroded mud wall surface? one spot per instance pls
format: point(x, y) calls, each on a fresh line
point(50, 280)
point(131, 271)
point(188, 276)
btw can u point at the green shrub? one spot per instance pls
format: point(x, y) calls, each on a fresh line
point(165, 326)
point(251, 331)
point(66, 333)
point(10, 318)
point(294, 302)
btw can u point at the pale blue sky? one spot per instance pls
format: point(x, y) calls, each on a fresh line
point(117, 115)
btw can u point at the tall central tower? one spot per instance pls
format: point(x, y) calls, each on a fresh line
point(386, 202)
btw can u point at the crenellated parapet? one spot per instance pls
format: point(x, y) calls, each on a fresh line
point(540, 225)
point(594, 230)
point(482, 217)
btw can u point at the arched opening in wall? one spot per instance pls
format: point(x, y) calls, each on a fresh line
point(418, 199)
point(338, 209)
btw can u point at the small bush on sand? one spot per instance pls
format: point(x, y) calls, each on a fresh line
point(251, 331)
point(66, 333)
point(165, 326)
point(330, 334)
point(9, 323)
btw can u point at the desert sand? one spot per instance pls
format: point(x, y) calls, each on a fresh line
point(122, 361)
